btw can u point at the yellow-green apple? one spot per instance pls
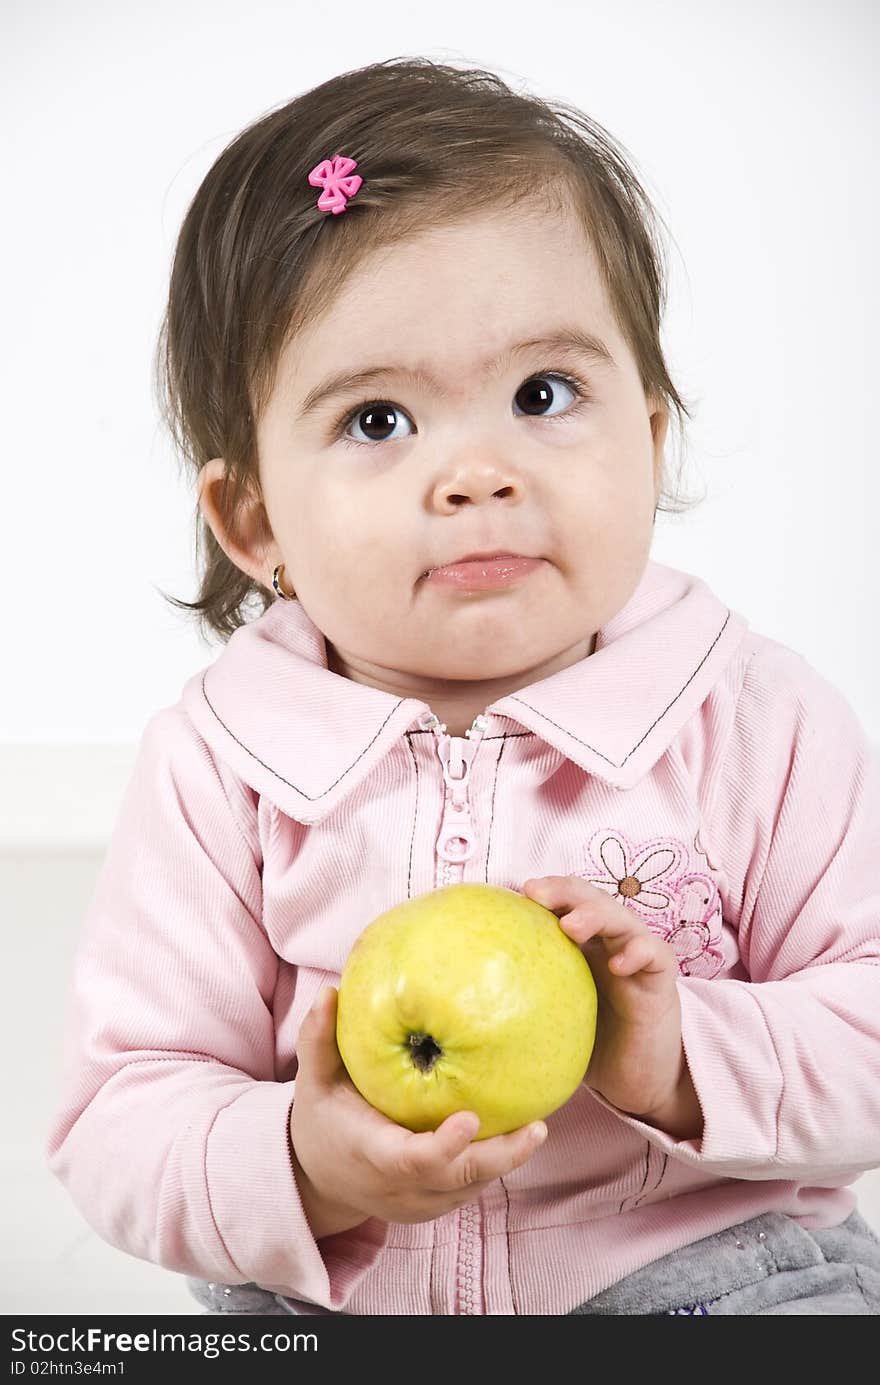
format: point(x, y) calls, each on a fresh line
point(469, 997)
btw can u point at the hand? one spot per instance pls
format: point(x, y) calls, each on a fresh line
point(353, 1163)
point(638, 1062)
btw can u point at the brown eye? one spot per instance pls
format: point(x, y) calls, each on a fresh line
point(538, 394)
point(377, 422)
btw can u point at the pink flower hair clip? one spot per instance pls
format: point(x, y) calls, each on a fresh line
point(333, 175)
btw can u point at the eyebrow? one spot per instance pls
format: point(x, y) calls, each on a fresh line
point(565, 341)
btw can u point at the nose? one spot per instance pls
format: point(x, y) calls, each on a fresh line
point(477, 484)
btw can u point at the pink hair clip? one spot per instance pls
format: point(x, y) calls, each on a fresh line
point(333, 176)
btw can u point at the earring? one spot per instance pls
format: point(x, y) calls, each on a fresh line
point(276, 583)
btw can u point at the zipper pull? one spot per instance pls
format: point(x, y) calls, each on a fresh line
point(456, 757)
point(456, 840)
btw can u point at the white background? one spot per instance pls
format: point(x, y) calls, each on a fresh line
point(753, 125)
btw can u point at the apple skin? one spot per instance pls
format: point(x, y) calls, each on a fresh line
point(469, 997)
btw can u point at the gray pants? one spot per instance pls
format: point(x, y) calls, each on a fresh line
point(769, 1265)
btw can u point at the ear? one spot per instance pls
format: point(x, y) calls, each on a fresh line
point(247, 539)
point(659, 427)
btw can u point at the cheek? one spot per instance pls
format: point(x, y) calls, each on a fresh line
point(343, 551)
point(317, 518)
point(605, 526)
point(610, 485)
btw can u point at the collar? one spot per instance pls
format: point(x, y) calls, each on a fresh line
point(306, 737)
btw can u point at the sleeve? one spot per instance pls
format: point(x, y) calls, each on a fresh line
point(172, 1132)
point(786, 1063)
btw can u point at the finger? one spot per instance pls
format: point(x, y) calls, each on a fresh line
point(562, 894)
point(641, 954)
point(584, 911)
point(451, 1138)
point(427, 1155)
point(317, 1054)
point(489, 1159)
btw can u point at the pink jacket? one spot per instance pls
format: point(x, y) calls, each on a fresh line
point(277, 808)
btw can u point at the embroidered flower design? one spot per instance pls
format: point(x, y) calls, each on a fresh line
point(678, 904)
point(640, 876)
point(696, 937)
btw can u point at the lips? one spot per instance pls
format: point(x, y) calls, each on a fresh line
point(476, 557)
point(482, 573)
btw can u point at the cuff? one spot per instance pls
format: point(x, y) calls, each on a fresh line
point(739, 1092)
point(258, 1212)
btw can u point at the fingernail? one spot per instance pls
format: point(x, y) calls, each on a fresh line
point(539, 1132)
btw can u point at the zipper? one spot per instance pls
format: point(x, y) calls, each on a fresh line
point(456, 840)
point(455, 845)
point(470, 1261)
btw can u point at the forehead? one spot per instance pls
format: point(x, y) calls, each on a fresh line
point(457, 294)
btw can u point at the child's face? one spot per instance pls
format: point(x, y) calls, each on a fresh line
point(477, 468)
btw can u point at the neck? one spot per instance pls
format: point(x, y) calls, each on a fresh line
point(455, 701)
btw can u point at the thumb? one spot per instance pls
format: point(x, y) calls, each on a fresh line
point(317, 1054)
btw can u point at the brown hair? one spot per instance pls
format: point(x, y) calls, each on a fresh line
point(431, 141)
